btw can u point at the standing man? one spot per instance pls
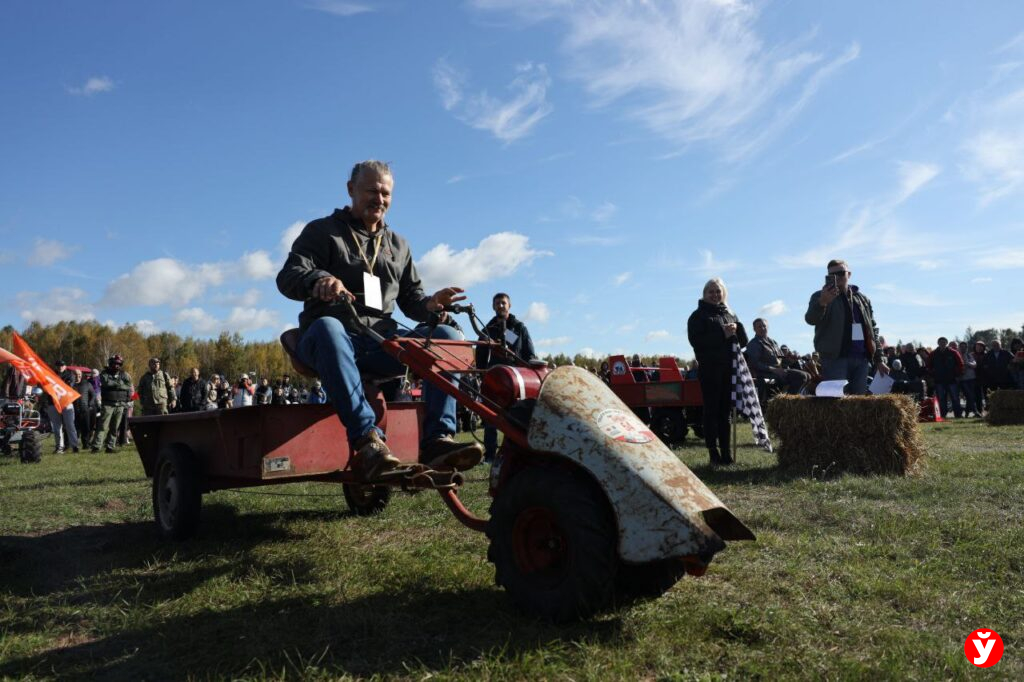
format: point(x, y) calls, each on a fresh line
point(353, 254)
point(503, 326)
point(766, 359)
point(264, 393)
point(156, 393)
point(845, 333)
point(946, 365)
point(85, 407)
point(115, 392)
point(193, 392)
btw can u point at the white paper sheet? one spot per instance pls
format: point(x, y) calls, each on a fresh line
point(881, 384)
point(831, 389)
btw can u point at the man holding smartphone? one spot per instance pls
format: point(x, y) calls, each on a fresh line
point(845, 333)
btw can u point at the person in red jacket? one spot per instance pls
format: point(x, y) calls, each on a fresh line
point(945, 365)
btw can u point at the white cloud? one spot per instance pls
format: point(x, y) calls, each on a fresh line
point(455, 179)
point(710, 266)
point(245, 299)
point(339, 8)
point(553, 342)
point(257, 265)
point(898, 294)
point(1000, 259)
point(146, 327)
point(981, 280)
point(622, 278)
point(290, 234)
point(93, 86)
point(497, 255)
point(595, 240)
point(914, 176)
point(56, 305)
point(163, 281)
point(507, 119)
point(537, 312)
point(239, 320)
point(604, 212)
point(659, 335)
point(588, 352)
point(995, 162)
point(772, 309)
point(46, 252)
point(688, 70)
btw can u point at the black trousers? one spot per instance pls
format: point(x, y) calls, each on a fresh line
point(716, 387)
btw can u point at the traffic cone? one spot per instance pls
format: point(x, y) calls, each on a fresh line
point(930, 411)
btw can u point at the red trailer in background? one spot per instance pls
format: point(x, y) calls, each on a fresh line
point(670, 403)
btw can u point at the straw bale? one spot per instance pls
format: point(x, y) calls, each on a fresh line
point(856, 434)
point(1005, 407)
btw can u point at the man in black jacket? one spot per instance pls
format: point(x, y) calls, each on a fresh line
point(503, 326)
point(85, 406)
point(193, 392)
point(767, 360)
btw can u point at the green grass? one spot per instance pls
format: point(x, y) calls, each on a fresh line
point(851, 578)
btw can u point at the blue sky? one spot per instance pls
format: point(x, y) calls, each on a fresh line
point(599, 161)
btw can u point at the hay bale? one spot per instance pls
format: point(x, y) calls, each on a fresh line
point(1005, 407)
point(856, 434)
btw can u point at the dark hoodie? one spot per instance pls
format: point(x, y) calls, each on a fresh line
point(705, 329)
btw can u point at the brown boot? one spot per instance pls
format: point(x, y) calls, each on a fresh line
point(444, 453)
point(372, 457)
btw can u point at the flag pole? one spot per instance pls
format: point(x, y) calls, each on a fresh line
point(734, 419)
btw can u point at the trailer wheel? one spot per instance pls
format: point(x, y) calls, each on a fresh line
point(31, 448)
point(366, 500)
point(650, 580)
point(669, 425)
point(553, 543)
point(177, 493)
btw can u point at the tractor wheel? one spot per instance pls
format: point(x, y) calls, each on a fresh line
point(177, 493)
point(650, 580)
point(669, 425)
point(553, 543)
point(366, 500)
point(31, 448)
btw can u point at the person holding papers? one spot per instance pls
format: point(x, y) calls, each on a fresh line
point(845, 333)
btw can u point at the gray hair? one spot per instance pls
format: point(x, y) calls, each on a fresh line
point(368, 166)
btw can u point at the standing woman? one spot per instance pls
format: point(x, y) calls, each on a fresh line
point(712, 328)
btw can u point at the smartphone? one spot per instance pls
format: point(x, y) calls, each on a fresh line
point(830, 281)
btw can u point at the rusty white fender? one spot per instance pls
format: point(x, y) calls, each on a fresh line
point(663, 509)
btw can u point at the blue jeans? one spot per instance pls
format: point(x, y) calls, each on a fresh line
point(338, 357)
point(490, 442)
point(854, 370)
point(969, 392)
point(942, 391)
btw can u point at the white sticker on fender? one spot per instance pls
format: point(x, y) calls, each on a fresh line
point(623, 427)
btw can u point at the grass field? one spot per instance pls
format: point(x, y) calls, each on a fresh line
point(850, 578)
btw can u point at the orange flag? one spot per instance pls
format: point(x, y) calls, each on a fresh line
point(41, 375)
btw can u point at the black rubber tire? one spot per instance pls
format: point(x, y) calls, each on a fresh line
point(669, 424)
point(30, 450)
point(650, 580)
point(366, 500)
point(553, 543)
point(177, 493)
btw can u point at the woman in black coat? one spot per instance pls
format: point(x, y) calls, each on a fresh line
point(712, 328)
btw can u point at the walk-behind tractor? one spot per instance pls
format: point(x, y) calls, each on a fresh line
point(586, 503)
point(19, 428)
point(660, 396)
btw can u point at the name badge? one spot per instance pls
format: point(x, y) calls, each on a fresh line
point(858, 332)
point(373, 296)
point(510, 337)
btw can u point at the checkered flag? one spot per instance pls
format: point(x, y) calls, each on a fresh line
point(744, 397)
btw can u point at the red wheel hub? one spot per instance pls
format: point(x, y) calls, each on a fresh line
point(539, 544)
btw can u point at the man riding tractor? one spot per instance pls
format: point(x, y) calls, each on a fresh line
point(353, 254)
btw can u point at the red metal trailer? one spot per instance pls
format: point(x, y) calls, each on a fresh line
point(674, 403)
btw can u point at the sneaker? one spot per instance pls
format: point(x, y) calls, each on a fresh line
point(445, 453)
point(372, 456)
